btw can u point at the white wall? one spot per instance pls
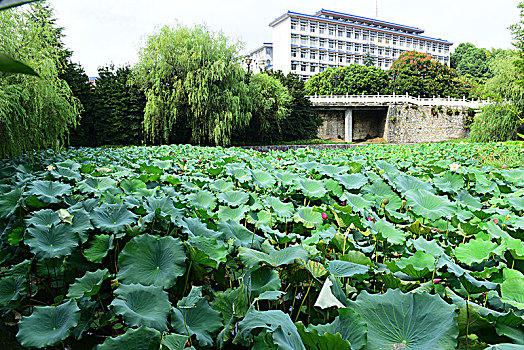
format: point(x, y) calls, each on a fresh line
point(282, 46)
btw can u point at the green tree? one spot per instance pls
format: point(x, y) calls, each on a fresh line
point(270, 107)
point(472, 62)
point(195, 86)
point(35, 113)
point(352, 80)
point(301, 123)
point(369, 60)
point(417, 74)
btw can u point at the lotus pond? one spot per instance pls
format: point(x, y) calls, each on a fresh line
point(181, 247)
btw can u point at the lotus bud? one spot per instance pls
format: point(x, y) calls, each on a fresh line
point(385, 201)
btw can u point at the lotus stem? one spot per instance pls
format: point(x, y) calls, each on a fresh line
point(304, 299)
point(187, 276)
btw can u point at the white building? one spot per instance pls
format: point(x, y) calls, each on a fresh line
point(259, 59)
point(308, 44)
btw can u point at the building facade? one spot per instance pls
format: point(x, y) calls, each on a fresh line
point(308, 44)
point(259, 59)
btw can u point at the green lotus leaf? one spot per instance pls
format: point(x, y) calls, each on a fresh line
point(286, 178)
point(48, 191)
point(81, 224)
point(332, 170)
point(44, 218)
point(407, 321)
point(326, 298)
point(418, 265)
point(222, 186)
point(312, 188)
point(505, 347)
point(200, 319)
point(467, 200)
point(349, 325)
point(273, 258)
point(231, 304)
point(112, 218)
point(48, 325)
point(194, 227)
point(96, 184)
point(517, 203)
point(333, 187)
point(352, 181)
point(261, 218)
point(10, 289)
point(131, 186)
point(261, 280)
point(142, 305)
point(203, 199)
point(379, 190)
point(475, 251)
point(175, 341)
point(428, 205)
point(143, 338)
point(51, 242)
point(235, 214)
point(239, 235)
point(339, 268)
point(87, 285)
point(308, 217)
point(163, 206)
point(9, 202)
point(285, 333)
point(449, 182)
point(314, 267)
point(512, 292)
point(406, 183)
point(151, 260)
point(61, 172)
point(392, 234)
point(515, 334)
point(98, 248)
point(356, 202)
point(233, 198)
point(263, 179)
point(474, 286)
point(432, 247)
point(241, 175)
point(206, 251)
point(515, 247)
point(313, 340)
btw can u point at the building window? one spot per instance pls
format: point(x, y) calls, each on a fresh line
point(340, 33)
point(357, 48)
point(302, 68)
point(322, 43)
point(348, 47)
point(357, 60)
point(348, 59)
point(303, 40)
point(312, 55)
point(341, 59)
point(293, 53)
point(331, 58)
point(341, 46)
point(348, 34)
point(268, 51)
point(331, 32)
point(364, 37)
point(331, 45)
point(380, 52)
point(312, 29)
point(313, 42)
point(293, 25)
point(294, 39)
point(321, 30)
point(293, 66)
point(312, 69)
point(303, 54)
point(302, 28)
point(322, 57)
point(357, 35)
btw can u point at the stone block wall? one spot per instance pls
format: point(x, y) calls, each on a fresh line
point(411, 123)
point(332, 125)
point(368, 123)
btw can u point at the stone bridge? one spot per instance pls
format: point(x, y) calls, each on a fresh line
point(396, 118)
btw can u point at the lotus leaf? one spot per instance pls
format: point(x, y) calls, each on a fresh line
point(274, 258)
point(51, 242)
point(9, 202)
point(475, 251)
point(339, 268)
point(206, 251)
point(428, 205)
point(407, 321)
point(96, 184)
point(312, 188)
point(512, 291)
point(98, 248)
point(87, 285)
point(233, 198)
point(151, 260)
point(352, 181)
point(112, 218)
point(48, 325)
point(143, 338)
point(142, 305)
point(48, 191)
point(308, 217)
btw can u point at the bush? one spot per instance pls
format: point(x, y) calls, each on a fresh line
point(496, 122)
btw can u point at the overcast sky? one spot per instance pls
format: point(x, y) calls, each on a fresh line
point(101, 32)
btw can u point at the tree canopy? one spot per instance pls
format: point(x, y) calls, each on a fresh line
point(195, 87)
point(35, 113)
point(353, 79)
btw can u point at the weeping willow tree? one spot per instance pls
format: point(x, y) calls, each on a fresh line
point(195, 87)
point(35, 112)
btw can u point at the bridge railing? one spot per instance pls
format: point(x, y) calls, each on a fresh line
point(396, 99)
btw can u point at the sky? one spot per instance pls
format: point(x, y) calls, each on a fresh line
point(101, 32)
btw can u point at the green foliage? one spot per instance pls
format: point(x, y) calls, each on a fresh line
point(354, 79)
point(417, 74)
point(201, 247)
point(472, 62)
point(194, 86)
point(34, 113)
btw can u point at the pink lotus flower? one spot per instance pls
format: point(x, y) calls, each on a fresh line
point(454, 167)
point(324, 216)
point(496, 221)
point(370, 219)
point(504, 166)
point(437, 280)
